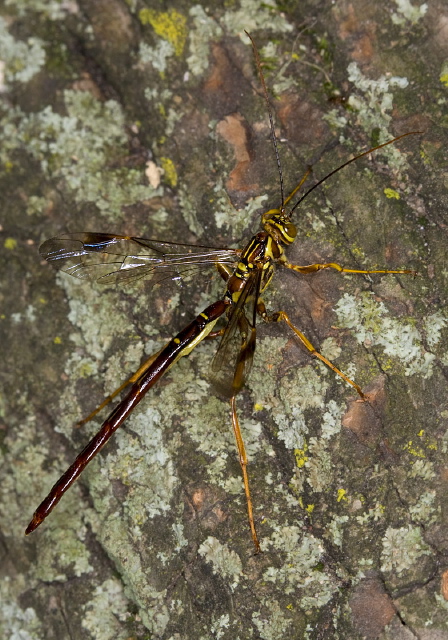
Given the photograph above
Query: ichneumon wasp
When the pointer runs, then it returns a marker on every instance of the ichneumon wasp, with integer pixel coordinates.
(247, 273)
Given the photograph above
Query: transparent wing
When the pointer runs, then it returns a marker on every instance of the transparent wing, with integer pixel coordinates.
(233, 359)
(108, 258)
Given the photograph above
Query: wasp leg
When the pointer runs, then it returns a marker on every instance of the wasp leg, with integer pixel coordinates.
(282, 316)
(312, 268)
(215, 334)
(243, 463)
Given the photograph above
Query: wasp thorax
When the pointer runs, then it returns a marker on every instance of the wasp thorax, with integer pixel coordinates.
(279, 226)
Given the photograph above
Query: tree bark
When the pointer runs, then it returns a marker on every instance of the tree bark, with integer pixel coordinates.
(146, 120)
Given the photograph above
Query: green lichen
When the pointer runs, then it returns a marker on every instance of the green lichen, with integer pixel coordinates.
(273, 626)
(331, 420)
(226, 216)
(139, 448)
(24, 461)
(302, 391)
(434, 324)
(408, 13)
(204, 29)
(424, 511)
(301, 556)
(250, 16)
(122, 543)
(78, 148)
(371, 325)
(319, 467)
(21, 61)
(35, 205)
(51, 9)
(67, 553)
(17, 622)
(206, 420)
(402, 548)
(96, 331)
(158, 56)
(335, 529)
(224, 561)
(106, 612)
(254, 15)
(189, 212)
(373, 104)
(423, 469)
(373, 514)
(263, 378)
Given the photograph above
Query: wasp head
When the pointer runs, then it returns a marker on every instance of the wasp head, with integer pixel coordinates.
(279, 226)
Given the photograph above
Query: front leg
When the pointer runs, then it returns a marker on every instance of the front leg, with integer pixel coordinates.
(312, 268)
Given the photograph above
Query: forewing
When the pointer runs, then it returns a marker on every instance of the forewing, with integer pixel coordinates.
(233, 359)
(108, 258)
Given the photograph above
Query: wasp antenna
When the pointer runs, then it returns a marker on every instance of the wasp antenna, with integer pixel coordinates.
(365, 153)
(271, 119)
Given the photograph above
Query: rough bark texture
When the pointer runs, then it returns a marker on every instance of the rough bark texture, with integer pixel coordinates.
(350, 498)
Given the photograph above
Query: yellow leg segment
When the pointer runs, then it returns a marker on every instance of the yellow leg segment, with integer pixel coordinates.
(243, 463)
(312, 268)
(281, 315)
